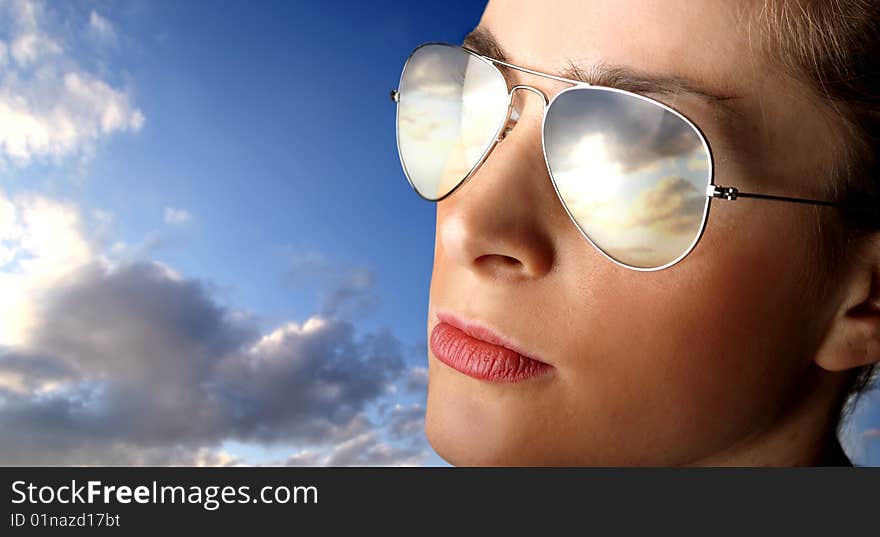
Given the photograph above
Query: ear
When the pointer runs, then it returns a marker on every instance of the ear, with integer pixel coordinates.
(853, 338)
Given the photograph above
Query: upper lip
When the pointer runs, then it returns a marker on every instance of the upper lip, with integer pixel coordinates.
(484, 333)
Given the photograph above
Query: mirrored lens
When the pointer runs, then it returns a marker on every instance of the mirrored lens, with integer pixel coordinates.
(451, 107)
(631, 173)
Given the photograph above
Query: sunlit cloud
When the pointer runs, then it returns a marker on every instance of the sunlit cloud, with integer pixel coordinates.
(41, 241)
(50, 106)
(367, 448)
(108, 361)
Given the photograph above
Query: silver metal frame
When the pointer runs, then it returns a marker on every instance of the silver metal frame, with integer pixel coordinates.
(713, 191)
(395, 96)
(710, 174)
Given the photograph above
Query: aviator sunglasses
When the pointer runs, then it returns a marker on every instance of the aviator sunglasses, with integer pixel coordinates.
(635, 176)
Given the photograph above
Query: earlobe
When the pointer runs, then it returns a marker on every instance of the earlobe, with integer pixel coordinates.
(853, 338)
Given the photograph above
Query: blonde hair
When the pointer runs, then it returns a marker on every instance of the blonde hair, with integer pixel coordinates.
(834, 47)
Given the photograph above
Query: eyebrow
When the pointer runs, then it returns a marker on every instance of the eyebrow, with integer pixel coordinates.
(483, 42)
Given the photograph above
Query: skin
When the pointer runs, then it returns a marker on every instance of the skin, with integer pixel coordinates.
(732, 356)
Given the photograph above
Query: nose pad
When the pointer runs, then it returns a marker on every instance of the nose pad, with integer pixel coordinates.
(517, 104)
(512, 118)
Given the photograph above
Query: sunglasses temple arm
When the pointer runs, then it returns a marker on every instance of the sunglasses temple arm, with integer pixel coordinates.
(732, 193)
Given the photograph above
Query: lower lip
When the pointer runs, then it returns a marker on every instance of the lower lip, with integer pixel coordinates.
(480, 359)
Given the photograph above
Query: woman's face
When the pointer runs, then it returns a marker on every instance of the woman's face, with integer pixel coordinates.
(676, 366)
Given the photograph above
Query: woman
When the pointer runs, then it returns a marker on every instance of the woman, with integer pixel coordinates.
(585, 306)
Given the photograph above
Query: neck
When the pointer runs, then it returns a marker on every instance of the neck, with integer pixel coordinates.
(803, 432)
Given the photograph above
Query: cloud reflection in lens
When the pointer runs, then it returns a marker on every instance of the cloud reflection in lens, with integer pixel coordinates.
(632, 174)
(451, 106)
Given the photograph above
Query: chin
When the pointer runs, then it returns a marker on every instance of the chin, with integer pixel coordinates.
(467, 432)
(465, 448)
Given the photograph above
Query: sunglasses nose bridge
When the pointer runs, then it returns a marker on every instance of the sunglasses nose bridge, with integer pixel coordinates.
(515, 112)
(532, 89)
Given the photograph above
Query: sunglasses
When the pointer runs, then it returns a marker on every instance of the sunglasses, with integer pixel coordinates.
(635, 176)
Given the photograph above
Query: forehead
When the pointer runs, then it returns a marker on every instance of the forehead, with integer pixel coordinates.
(715, 43)
(706, 40)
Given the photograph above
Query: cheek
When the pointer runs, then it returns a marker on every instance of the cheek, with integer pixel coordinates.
(653, 368)
(699, 355)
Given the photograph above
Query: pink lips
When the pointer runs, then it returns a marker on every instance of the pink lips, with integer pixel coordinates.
(478, 352)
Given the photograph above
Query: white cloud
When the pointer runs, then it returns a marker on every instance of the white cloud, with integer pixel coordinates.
(51, 107)
(365, 449)
(101, 28)
(24, 13)
(176, 216)
(129, 362)
(207, 457)
(30, 47)
(41, 240)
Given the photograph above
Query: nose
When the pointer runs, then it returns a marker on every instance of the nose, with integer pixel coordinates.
(498, 224)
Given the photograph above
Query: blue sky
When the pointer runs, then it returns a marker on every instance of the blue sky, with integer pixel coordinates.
(201, 206)
(247, 150)
(272, 127)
